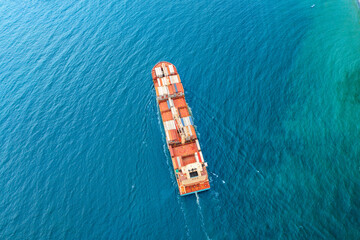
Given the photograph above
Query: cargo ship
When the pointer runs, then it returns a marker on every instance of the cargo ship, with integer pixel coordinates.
(183, 144)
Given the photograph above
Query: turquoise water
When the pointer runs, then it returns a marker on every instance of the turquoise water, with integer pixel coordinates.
(274, 88)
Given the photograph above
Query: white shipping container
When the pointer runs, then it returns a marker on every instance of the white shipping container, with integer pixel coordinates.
(165, 81)
(171, 103)
(165, 71)
(172, 122)
(196, 157)
(161, 91)
(186, 121)
(171, 68)
(174, 79)
(159, 83)
(197, 144)
(158, 72)
(173, 111)
(178, 160)
(169, 125)
(190, 130)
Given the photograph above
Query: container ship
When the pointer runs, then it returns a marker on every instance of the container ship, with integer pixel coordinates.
(183, 144)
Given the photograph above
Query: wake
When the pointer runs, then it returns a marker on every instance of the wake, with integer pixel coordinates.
(201, 216)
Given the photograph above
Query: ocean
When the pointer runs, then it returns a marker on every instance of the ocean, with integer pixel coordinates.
(274, 88)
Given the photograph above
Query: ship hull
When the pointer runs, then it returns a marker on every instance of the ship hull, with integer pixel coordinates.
(187, 158)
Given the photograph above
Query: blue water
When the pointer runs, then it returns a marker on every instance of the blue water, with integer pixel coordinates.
(274, 88)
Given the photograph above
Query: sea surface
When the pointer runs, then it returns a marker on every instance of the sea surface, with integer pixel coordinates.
(274, 87)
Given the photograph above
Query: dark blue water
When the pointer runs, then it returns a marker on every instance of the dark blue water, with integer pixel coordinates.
(273, 86)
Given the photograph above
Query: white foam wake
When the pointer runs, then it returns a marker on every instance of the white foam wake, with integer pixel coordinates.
(201, 216)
